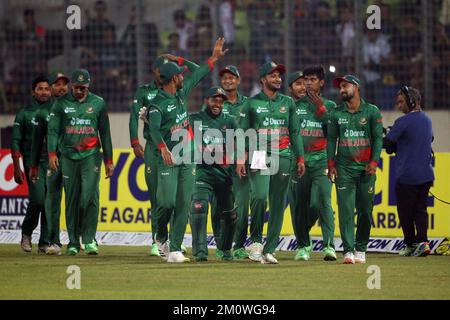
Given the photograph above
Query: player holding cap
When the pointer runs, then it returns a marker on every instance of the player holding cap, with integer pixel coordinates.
(144, 94)
(59, 87)
(213, 178)
(272, 114)
(311, 194)
(356, 128)
(76, 123)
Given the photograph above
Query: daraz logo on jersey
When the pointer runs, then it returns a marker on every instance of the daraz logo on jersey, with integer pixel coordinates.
(354, 133)
(181, 117)
(309, 124)
(77, 121)
(272, 121)
(34, 122)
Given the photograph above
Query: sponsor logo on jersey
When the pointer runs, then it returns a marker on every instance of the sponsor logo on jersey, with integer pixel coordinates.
(261, 109)
(301, 111)
(314, 124)
(69, 110)
(181, 117)
(272, 121)
(78, 121)
(34, 122)
(342, 121)
(354, 133)
(151, 95)
(171, 107)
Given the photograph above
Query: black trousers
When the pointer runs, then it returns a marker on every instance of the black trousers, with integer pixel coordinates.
(412, 211)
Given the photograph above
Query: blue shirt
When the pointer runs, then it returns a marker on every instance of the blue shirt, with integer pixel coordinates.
(413, 134)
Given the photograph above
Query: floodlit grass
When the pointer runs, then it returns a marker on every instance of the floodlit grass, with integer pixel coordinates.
(120, 272)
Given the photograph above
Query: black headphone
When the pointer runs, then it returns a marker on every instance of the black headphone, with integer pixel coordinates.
(409, 101)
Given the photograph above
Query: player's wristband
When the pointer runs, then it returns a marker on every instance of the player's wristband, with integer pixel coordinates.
(210, 63)
(301, 160)
(180, 61)
(16, 155)
(321, 110)
(108, 162)
(331, 163)
(52, 154)
(161, 146)
(373, 163)
(134, 142)
(33, 170)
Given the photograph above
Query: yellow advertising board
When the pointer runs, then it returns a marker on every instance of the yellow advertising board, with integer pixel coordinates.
(125, 206)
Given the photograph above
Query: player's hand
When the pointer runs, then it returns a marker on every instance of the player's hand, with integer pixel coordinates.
(315, 98)
(301, 169)
(167, 157)
(33, 174)
(138, 151)
(171, 57)
(143, 114)
(109, 168)
(241, 171)
(371, 168)
(53, 162)
(332, 174)
(218, 51)
(19, 176)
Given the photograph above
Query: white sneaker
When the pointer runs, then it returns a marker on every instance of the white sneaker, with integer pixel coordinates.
(177, 257)
(255, 251)
(163, 249)
(360, 257)
(54, 249)
(349, 258)
(268, 258)
(25, 243)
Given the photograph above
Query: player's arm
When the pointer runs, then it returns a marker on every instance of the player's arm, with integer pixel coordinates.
(53, 134)
(133, 124)
(332, 137)
(36, 144)
(203, 70)
(376, 128)
(296, 139)
(104, 131)
(243, 122)
(155, 119)
(17, 136)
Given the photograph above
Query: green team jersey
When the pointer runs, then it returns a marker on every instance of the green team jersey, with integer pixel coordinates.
(232, 108)
(23, 129)
(358, 136)
(213, 137)
(80, 125)
(168, 112)
(313, 129)
(275, 118)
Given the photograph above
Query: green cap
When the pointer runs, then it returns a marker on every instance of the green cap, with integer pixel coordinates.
(293, 76)
(81, 77)
(230, 69)
(216, 91)
(159, 62)
(55, 76)
(269, 67)
(347, 78)
(169, 69)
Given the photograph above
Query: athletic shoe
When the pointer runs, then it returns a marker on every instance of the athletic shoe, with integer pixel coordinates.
(200, 258)
(329, 254)
(303, 254)
(219, 254)
(25, 243)
(183, 249)
(163, 249)
(42, 249)
(268, 258)
(349, 258)
(154, 251)
(71, 251)
(227, 255)
(360, 257)
(177, 257)
(255, 251)
(422, 250)
(407, 251)
(91, 248)
(240, 253)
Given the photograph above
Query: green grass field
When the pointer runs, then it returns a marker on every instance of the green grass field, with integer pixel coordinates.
(128, 273)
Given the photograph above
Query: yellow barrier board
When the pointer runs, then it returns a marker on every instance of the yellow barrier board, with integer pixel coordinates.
(125, 206)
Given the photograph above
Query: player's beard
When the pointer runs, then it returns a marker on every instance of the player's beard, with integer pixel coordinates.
(273, 87)
(347, 96)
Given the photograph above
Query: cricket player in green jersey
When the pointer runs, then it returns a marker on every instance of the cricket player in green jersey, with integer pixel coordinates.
(79, 124)
(21, 147)
(311, 194)
(230, 80)
(59, 87)
(213, 175)
(272, 115)
(169, 127)
(142, 98)
(355, 128)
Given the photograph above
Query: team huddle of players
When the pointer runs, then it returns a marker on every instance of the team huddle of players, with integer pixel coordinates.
(315, 142)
